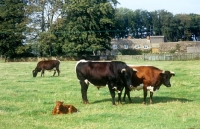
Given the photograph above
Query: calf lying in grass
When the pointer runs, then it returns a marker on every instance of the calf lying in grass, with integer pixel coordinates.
(61, 108)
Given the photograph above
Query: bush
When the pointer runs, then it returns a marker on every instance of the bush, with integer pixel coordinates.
(131, 52)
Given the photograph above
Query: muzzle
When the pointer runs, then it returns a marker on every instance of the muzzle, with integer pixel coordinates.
(169, 85)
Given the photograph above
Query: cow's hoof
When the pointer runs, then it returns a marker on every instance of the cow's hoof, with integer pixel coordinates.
(119, 103)
(144, 103)
(85, 102)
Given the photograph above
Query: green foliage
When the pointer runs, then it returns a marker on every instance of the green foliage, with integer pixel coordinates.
(12, 26)
(27, 102)
(130, 52)
(88, 24)
(81, 27)
(47, 44)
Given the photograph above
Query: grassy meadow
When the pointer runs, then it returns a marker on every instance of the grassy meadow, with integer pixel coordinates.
(27, 102)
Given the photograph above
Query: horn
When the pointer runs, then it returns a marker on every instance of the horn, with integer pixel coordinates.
(134, 69)
(163, 71)
(123, 70)
(173, 73)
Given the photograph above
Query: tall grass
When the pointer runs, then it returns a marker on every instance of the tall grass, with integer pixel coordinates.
(27, 102)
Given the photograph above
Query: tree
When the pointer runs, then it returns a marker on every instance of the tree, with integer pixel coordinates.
(183, 22)
(12, 26)
(124, 23)
(42, 14)
(88, 25)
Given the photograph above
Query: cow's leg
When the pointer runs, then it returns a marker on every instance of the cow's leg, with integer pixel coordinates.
(57, 68)
(54, 72)
(151, 97)
(127, 91)
(42, 73)
(84, 88)
(112, 93)
(124, 98)
(119, 98)
(145, 94)
(119, 95)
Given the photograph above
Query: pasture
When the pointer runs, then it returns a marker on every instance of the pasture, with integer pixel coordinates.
(27, 102)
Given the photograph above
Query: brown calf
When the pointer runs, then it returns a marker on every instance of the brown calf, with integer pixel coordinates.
(61, 108)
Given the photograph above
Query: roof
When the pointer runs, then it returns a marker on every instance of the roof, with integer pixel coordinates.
(157, 39)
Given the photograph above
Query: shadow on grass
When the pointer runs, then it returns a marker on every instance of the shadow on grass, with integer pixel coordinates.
(139, 100)
(158, 99)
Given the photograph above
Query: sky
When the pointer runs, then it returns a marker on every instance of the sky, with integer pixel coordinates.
(173, 6)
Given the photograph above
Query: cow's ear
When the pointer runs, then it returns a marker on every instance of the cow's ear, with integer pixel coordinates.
(172, 73)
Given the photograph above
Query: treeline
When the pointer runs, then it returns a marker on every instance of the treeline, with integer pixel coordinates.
(82, 27)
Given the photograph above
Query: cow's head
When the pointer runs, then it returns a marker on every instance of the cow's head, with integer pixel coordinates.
(58, 107)
(34, 73)
(59, 104)
(166, 75)
(128, 74)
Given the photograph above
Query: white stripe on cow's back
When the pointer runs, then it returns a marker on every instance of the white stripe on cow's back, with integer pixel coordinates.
(79, 62)
(83, 60)
(139, 65)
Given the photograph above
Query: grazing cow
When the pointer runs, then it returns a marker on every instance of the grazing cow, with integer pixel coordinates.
(115, 74)
(47, 65)
(61, 108)
(150, 78)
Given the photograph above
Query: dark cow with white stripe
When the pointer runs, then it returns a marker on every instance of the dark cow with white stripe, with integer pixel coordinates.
(115, 74)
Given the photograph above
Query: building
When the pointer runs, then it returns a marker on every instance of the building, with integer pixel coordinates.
(154, 43)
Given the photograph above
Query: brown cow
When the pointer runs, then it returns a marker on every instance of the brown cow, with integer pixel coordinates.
(61, 108)
(150, 78)
(47, 65)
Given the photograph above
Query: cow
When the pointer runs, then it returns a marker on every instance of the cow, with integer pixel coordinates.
(47, 65)
(61, 108)
(115, 74)
(149, 78)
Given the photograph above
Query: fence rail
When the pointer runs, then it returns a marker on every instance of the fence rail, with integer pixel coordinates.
(175, 57)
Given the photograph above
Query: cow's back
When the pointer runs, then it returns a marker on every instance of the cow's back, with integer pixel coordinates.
(99, 73)
(148, 74)
(94, 72)
(48, 64)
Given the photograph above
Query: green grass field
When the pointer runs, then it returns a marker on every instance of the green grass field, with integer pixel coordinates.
(27, 102)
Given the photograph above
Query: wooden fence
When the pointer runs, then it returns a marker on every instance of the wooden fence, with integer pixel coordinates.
(171, 57)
